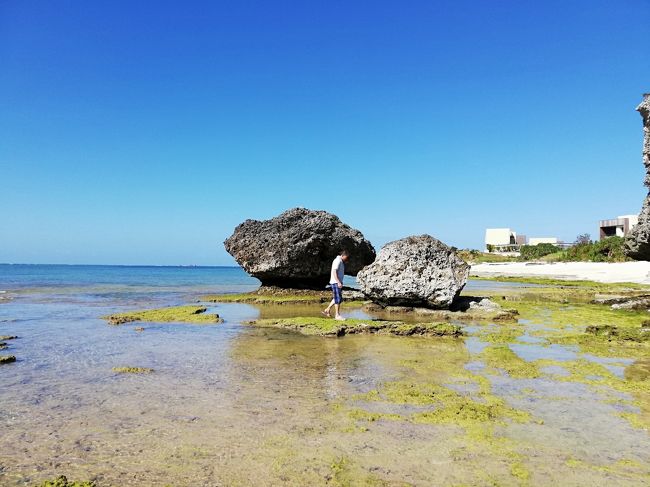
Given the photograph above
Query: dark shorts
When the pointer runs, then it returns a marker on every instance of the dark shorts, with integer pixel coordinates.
(336, 292)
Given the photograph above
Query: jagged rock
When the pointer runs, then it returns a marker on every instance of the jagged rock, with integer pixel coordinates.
(640, 303)
(415, 271)
(296, 249)
(637, 242)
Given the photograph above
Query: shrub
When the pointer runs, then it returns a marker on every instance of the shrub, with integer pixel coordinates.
(607, 250)
(531, 252)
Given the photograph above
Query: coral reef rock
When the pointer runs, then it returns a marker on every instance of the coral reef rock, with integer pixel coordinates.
(296, 248)
(637, 242)
(415, 271)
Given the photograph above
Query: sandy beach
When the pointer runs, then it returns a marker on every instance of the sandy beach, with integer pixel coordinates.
(609, 272)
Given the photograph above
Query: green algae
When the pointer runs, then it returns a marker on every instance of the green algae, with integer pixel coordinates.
(624, 467)
(173, 314)
(577, 314)
(62, 481)
(501, 333)
(603, 380)
(503, 358)
(330, 327)
(7, 359)
(345, 473)
(254, 298)
(132, 370)
(434, 387)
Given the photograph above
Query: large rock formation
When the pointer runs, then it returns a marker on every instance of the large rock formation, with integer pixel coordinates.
(415, 271)
(296, 249)
(637, 243)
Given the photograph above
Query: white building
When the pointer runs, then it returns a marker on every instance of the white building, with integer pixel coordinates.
(540, 240)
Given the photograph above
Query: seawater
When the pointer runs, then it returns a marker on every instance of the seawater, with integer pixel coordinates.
(230, 404)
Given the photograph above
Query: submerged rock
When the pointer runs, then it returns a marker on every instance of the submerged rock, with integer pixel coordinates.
(415, 271)
(132, 370)
(7, 359)
(172, 314)
(637, 242)
(296, 249)
(329, 327)
(62, 481)
(462, 310)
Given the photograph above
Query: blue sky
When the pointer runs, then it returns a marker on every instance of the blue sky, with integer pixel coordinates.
(143, 133)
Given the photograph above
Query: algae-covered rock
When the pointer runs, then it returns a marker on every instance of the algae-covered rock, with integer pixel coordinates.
(173, 314)
(415, 271)
(132, 370)
(62, 481)
(7, 359)
(469, 314)
(296, 249)
(634, 334)
(637, 303)
(331, 327)
(284, 296)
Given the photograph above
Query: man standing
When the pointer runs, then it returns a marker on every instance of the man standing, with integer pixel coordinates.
(336, 282)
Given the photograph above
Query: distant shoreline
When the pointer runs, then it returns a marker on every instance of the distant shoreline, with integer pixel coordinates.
(179, 266)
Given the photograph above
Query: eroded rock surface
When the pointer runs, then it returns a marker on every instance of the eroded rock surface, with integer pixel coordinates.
(415, 271)
(637, 242)
(296, 248)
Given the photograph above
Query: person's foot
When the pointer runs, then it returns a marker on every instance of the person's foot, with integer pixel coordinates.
(339, 317)
(326, 313)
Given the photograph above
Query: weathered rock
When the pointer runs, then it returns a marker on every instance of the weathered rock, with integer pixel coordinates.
(637, 242)
(415, 271)
(640, 303)
(296, 249)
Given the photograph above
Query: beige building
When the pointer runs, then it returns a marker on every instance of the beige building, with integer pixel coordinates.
(617, 227)
(500, 240)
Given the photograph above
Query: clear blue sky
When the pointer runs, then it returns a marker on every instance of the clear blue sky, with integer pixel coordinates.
(144, 132)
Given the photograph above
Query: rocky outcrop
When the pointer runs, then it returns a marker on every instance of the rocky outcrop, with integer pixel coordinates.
(637, 242)
(296, 249)
(415, 271)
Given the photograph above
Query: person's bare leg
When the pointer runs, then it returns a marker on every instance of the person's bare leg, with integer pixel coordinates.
(326, 312)
(337, 315)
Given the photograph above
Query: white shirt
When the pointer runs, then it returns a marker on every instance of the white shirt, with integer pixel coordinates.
(338, 270)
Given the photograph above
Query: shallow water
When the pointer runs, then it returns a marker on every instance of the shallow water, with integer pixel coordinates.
(230, 404)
